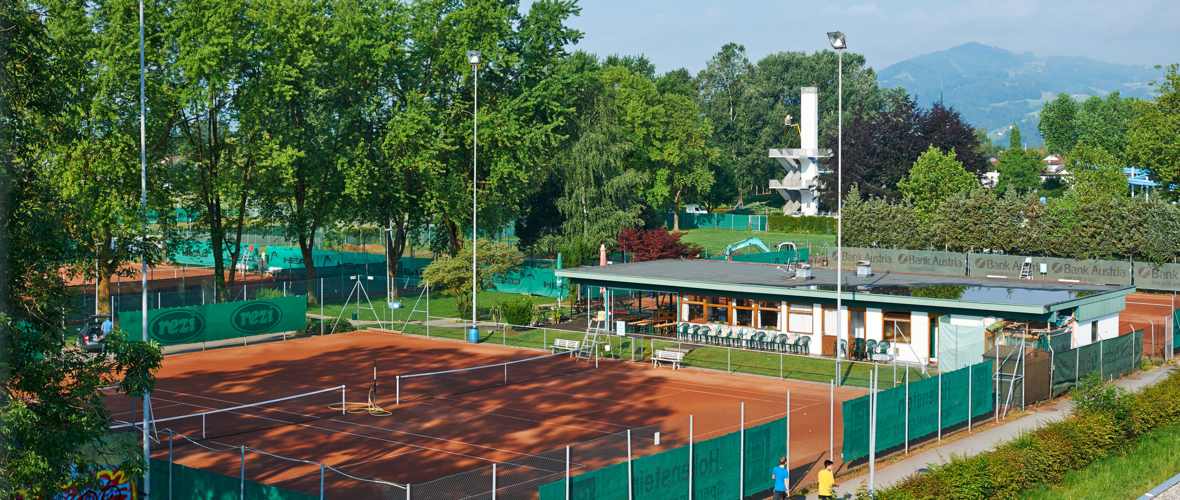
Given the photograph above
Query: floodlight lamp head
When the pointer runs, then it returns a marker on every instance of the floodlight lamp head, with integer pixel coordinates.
(787, 122)
(836, 38)
(473, 57)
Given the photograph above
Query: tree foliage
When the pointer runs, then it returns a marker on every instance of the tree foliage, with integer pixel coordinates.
(453, 275)
(934, 177)
(1153, 139)
(1099, 121)
(1096, 174)
(880, 147)
(655, 244)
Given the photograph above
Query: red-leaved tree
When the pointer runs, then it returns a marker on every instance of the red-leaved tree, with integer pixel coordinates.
(656, 244)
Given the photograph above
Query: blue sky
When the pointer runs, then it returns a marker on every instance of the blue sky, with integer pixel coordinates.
(686, 33)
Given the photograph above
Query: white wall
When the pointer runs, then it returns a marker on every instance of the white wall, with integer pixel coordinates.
(1108, 328)
(919, 339)
(873, 326)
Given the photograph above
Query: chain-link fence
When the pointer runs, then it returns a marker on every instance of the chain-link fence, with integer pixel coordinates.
(732, 450)
(182, 465)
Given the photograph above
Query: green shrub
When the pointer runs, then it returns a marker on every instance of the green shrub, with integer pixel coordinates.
(268, 293)
(1106, 419)
(313, 326)
(801, 225)
(518, 311)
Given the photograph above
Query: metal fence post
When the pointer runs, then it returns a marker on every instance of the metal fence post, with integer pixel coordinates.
(742, 454)
(788, 464)
(170, 438)
(691, 458)
(321, 306)
(831, 420)
(940, 406)
(493, 481)
(728, 359)
(907, 410)
(407, 491)
(970, 405)
(243, 474)
(567, 473)
(321, 481)
(630, 482)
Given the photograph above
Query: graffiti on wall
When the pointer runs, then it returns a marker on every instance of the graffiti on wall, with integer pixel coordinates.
(113, 485)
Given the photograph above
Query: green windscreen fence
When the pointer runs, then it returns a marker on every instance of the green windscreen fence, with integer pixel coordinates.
(200, 253)
(966, 393)
(1115, 358)
(782, 257)
(717, 470)
(178, 481)
(207, 323)
(534, 278)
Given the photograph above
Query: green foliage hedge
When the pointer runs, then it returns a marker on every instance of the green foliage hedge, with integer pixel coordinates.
(1106, 420)
(801, 225)
(518, 311)
(313, 326)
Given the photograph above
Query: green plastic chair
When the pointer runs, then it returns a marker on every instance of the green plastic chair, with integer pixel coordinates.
(682, 332)
(844, 347)
(883, 347)
(870, 348)
(805, 347)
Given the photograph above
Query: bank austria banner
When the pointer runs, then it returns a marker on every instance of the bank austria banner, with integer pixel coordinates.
(1106, 272)
(1157, 276)
(904, 261)
(207, 323)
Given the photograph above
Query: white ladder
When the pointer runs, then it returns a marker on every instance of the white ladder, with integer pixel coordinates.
(1026, 269)
(594, 330)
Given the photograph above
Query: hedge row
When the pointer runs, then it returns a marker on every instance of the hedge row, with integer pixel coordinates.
(801, 225)
(1106, 419)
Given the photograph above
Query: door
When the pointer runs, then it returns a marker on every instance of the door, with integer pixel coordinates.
(856, 323)
(829, 331)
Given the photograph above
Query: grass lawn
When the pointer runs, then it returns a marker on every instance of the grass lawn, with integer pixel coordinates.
(715, 240)
(1155, 459)
(442, 305)
(717, 358)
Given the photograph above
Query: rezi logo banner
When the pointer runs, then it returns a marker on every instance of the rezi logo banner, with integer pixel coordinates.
(1161, 277)
(207, 323)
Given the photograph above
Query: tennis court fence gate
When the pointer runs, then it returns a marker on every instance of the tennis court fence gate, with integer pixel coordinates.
(182, 466)
(724, 453)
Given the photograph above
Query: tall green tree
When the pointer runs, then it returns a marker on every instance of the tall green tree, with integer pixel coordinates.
(1058, 124)
(1153, 140)
(934, 177)
(53, 415)
(726, 96)
(1097, 176)
(453, 274)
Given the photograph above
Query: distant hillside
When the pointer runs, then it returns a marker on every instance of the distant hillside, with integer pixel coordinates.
(992, 87)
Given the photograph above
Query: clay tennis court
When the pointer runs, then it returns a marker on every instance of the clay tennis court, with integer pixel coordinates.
(427, 438)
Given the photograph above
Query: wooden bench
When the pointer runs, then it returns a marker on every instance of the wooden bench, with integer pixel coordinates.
(673, 357)
(565, 345)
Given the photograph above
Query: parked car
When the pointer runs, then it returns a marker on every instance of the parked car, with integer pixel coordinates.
(90, 334)
(694, 209)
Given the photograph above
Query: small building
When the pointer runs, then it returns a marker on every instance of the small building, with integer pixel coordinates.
(947, 321)
(1054, 168)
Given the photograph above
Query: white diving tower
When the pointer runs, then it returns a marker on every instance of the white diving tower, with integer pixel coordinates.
(800, 187)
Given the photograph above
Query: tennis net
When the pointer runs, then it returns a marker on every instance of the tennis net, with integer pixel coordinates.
(211, 422)
(463, 380)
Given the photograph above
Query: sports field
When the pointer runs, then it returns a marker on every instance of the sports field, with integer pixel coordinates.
(445, 425)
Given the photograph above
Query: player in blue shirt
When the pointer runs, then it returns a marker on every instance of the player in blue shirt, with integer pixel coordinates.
(779, 475)
(107, 326)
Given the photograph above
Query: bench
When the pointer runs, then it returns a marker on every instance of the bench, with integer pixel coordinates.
(673, 357)
(565, 345)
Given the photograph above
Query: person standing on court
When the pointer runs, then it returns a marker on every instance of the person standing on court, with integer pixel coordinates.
(827, 482)
(779, 475)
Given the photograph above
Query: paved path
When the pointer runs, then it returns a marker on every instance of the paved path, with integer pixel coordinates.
(985, 440)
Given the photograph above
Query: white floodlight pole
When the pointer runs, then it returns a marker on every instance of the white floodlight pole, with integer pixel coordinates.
(473, 57)
(147, 479)
(837, 40)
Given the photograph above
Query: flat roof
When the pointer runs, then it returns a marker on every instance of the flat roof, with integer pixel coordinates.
(886, 288)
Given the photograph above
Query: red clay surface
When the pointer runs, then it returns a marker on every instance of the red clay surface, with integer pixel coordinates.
(1148, 312)
(432, 437)
(164, 277)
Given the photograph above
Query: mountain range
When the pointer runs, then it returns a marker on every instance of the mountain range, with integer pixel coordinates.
(992, 87)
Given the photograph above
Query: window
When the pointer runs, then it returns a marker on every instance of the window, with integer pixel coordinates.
(692, 308)
(830, 321)
(1093, 332)
(897, 327)
(730, 311)
(934, 335)
(799, 318)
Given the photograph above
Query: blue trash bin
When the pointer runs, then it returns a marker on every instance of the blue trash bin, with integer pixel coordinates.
(473, 335)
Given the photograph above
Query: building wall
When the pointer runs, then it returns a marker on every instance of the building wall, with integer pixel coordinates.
(873, 324)
(919, 339)
(1108, 328)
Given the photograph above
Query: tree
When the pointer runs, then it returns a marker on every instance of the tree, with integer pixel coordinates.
(1096, 174)
(880, 147)
(934, 177)
(52, 407)
(1019, 170)
(1014, 139)
(726, 97)
(453, 275)
(1057, 124)
(1153, 139)
(655, 244)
